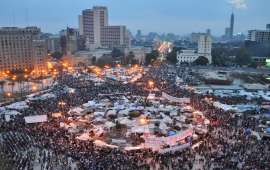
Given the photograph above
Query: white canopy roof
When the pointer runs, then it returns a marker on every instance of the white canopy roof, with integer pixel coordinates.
(18, 106)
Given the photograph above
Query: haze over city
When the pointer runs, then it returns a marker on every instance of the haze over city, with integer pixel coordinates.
(134, 84)
(176, 16)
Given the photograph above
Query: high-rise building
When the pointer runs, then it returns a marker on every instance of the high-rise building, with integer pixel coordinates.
(138, 35)
(229, 31)
(53, 44)
(115, 36)
(259, 36)
(195, 37)
(97, 32)
(80, 24)
(40, 55)
(204, 49)
(208, 31)
(268, 27)
(69, 40)
(20, 49)
(232, 26)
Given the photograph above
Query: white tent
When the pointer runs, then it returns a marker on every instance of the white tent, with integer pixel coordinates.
(111, 113)
(18, 106)
(10, 112)
(103, 144)
(123, 112)
(89, 104)
(84, 137)
(125, 121)
(76, 111)
(99, 114)
(132, 148)
(36, 119)
(109, 124)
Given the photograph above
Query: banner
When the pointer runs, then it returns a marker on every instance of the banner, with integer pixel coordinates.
(36, 119)
(174, 149)
(175, 99)
(170, 140)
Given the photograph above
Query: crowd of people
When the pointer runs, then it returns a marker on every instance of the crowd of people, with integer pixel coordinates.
(46, 146)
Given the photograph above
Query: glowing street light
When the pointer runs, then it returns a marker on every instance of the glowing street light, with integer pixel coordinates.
(61, 103)
(72, 91)
(50, 66)
(143, 121)
(151, 83)
(34, 88)
(14, 78)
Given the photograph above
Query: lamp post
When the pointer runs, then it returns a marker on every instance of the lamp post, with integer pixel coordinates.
(61, 104)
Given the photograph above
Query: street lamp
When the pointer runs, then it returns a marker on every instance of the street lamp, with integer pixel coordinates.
(34, 88)
(143, 121)
(9, 94)
(151, 83)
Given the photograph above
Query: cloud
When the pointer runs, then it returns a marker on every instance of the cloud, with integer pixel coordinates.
(238, 4)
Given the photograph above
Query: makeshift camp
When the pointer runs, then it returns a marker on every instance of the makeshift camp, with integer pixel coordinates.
(36, 119)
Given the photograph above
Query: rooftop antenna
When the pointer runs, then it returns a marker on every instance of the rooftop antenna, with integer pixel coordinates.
(26, 17)
(13, 18)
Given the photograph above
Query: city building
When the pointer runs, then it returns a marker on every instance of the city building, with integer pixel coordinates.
(53, 44)
(208, 31)
(115, 37)
(229, 31)
(187, 56)
(204, 49)
(194, 37)
(232, 26)
(259, 36)
(40, 56)
(138, 35)
(85, 58)
(20, 49)
(69, 40)
(95, 27)
(139, 53)
(268, 27)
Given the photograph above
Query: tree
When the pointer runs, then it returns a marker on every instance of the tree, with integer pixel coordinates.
(242, 57)
(201, 60)
(116, 53)
(172, 56)
(220, 56)
(102, 61)
(151, 57)
(129, 58)
(94, 60)
(57, 55)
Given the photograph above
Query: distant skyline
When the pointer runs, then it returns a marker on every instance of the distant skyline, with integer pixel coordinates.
(163, 16)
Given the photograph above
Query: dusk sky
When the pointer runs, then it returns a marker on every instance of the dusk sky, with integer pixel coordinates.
(177, 16)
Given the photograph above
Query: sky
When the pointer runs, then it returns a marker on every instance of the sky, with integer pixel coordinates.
(162, 16)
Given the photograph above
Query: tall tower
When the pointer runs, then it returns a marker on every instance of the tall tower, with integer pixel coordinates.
(92, 21)
(268, 27)
(205, 47)
(232, 26)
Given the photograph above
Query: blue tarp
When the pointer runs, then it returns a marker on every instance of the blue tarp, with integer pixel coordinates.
(248, 131)
(268, 130)
(171, 133)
